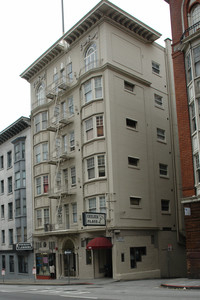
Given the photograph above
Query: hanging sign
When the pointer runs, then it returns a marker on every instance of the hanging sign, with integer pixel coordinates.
(94, 219)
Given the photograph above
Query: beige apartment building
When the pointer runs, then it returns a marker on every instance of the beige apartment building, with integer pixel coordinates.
(104, 146)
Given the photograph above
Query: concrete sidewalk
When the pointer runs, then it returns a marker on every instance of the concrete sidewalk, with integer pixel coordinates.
(177, 283)
(182, 283)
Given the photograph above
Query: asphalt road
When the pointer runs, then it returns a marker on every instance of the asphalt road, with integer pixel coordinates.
(129, 290)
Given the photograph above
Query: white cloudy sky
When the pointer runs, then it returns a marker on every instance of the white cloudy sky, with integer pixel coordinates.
(29, 27)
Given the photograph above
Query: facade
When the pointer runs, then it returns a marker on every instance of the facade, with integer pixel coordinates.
(185, 23)
(104, 189)
(16, 251)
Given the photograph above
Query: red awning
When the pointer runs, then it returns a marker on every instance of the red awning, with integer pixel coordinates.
(99, 243)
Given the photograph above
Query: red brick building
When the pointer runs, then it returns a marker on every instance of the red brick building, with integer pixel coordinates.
(185, 24)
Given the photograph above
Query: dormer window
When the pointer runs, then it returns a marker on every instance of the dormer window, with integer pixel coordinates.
(91, 57)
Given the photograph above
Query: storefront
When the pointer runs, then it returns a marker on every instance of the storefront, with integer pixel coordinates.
(43, 263)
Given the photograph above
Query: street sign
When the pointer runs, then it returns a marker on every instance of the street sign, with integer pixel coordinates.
(68, 252)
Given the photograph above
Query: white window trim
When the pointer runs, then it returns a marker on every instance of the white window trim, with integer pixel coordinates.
(96, 167)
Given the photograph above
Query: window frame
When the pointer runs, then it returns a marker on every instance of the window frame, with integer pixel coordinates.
(91, 88)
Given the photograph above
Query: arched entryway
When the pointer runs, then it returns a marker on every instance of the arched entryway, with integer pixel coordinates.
(69, 259)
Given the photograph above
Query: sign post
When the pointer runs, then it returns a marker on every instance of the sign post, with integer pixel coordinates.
(34, 272)
(3, 273)
(68, 252)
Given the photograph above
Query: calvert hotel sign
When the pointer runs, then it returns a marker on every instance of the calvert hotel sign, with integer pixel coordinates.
(94, 219)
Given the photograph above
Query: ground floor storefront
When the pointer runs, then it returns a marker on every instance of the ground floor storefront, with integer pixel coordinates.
(120, 254)
(16, 263)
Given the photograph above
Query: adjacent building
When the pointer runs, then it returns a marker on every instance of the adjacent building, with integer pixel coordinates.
(185, 23)
(16, 251)
(103, 132)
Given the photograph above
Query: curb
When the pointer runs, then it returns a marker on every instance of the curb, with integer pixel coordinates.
(184, 287)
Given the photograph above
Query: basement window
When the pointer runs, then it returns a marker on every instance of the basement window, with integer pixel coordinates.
(136, 254)
(135, 201)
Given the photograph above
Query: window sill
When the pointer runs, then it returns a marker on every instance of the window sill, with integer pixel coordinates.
(164, 176)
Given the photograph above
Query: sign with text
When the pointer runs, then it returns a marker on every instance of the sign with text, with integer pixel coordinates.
(23, 246)
(94, 219)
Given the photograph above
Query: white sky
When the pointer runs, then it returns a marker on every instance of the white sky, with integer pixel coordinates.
(30, 27)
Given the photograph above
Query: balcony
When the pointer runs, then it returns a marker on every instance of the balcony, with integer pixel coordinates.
(190, 31)
(58, 87)
(92, 66)
(60, 192)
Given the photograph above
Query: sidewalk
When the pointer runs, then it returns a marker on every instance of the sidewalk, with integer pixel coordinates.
(182, 283)
(177, 283)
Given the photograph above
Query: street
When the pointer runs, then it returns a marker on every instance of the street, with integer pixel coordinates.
(130, 290)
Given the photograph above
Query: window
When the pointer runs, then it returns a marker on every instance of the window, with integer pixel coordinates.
(67, 223)
(90, 168)
(74, 212)
(73, 176)
(71, 106)
(10, 211)
(158, 100)
(165, 206)
(9, 159)
(72, 141)
(193, 117)
(10, 185)
(122, 257)
(42, 185)
(160, 134)
(63, 110)
(1, 162)
(195, 15)
(41, 153)
(90, 131)
(19, 234)
(23, 178)
(91, 57)
(136, 254)
(92, 205)
(97, 204)
(163, 169)
(69, 71)
(17, 152)
(17, 207)
(2, 187)
(133, 161)
(101, 165)
(40, 94)
(59, 215)
(17, 180)
(155, 67)
(135, 201)
(46, 215)
(88, 257)
(3, 236)
(129, 86)
(64, 143)
(25, 234)
(10, 234)
(22, 264)
(189, 68)
(92, 89)
(2, 211)
(3, 261)
(41, 121)
(38, 217)
(96, 167)
(131, 123)
(196, 54)
(24, 206)
(11, 263)
(23, 150)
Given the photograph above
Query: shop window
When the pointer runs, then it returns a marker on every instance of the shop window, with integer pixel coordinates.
(136, 254)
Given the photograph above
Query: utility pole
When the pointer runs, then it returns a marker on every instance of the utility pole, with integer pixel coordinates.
(63, 26)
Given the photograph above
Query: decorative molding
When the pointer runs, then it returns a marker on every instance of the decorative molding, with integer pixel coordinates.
(89, 39)
(39, 80)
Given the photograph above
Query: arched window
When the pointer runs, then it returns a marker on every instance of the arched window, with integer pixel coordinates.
(195, 14)
(91, 57)
(40, 94)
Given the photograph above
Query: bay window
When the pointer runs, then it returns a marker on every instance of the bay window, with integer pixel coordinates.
(96, 167)
(92, 89)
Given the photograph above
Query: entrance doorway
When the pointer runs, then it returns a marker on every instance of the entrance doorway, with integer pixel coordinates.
(69, 259)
